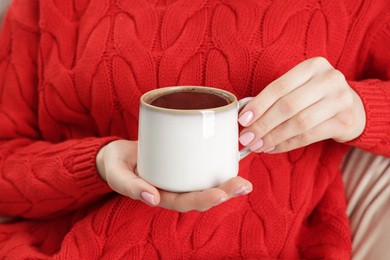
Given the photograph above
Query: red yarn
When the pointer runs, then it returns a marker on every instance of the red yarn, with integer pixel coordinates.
(72, 72)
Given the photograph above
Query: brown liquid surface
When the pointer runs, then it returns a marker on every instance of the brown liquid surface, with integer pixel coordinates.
(189, 100)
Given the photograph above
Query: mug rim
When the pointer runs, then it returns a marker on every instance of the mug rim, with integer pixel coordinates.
(172, 89)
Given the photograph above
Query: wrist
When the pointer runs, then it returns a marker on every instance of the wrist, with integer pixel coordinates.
(361, 114)
(100, 163)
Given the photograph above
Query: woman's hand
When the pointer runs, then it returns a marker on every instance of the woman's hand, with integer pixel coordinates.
(310, 103)
(116, 164)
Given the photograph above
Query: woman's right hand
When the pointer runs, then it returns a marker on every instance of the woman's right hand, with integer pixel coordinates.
(116, 164)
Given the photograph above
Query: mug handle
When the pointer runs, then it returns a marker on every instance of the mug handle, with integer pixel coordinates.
(241, 104)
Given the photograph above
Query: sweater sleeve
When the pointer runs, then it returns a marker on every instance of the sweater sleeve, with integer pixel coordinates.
(375, 92)
(38, 178)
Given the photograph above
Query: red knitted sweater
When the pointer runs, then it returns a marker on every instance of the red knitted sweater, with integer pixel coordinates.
(72, 72)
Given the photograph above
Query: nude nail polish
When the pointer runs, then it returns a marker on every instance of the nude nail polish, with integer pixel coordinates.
(246, 138)
(245, 118)
(269, 149)
(243, 190)
(257, 145)
(148, 198)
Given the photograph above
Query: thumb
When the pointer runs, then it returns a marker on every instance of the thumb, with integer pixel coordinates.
(124, 181)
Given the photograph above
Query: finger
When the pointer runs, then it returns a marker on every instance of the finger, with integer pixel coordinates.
(197, 200)
(285, 109)
(320, 132)
(236, 186)
(301, 122)
(203, 200)
(279, 88)
(122, 180)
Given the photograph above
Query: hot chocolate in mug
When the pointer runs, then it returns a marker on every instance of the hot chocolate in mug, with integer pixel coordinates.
(188, 137)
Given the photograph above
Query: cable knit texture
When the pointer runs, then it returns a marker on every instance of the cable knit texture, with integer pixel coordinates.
(72, 73)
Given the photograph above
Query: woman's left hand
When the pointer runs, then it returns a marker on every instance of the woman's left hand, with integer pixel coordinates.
(310, 103)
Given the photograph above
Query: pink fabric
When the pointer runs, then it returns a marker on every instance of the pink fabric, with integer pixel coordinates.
(367, 179)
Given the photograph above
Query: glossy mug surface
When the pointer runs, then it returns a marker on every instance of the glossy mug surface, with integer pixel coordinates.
(188, 137)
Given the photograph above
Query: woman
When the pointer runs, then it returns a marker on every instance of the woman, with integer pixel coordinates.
(72, 74)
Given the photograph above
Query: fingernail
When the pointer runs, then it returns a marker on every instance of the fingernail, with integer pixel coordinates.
(246, 118)
(269, 149)
(243, 190)
(246, 138)
(148, 197)
(256, 146)
(220, 200)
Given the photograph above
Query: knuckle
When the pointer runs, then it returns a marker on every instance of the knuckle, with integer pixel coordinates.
(270, 139)
(287, 145)
(126, 190)
(281, 88)
(336, 81)
(261, 127)
(287, 105)
(306, 138)
(129, 191)
(303, 121)
(318, 62)
(336, 77)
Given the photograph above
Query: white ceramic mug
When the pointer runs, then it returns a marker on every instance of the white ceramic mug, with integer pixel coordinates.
(191, 148)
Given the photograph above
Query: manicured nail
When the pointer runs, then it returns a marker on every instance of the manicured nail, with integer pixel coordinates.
(243, 190)
(246, 138)
(148, 197)
(220, 200)
(269, 149)
(256, 146)
(245, 118)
